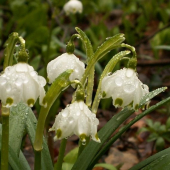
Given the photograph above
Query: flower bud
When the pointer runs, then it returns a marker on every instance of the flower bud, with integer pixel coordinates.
(62, 63)
(73, 6)
(124, 87)
(20, 83)
(77, 119)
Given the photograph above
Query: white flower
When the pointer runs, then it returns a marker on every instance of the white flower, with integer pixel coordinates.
(62, 63)
(124, 87)
(77, 119)
(73, 6)
(20, 83)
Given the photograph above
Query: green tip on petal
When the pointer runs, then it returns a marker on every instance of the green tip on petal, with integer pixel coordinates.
(30, 102)
(104, 94)
(9, 101)
(118, 102)
(83, 137)
(97, 138)
(136, 106)
(59, 133)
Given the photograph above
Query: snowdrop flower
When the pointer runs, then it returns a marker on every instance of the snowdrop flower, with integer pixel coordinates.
(73, 6)
(124, 87)
(20, 83)
(62, 63)
(77, 119)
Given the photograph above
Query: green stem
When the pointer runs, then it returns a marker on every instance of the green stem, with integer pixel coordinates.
(83, 145)
(5, 138)
(90, 85)
(37, 163)
(61, 154)
(9, 50)
(109, 67)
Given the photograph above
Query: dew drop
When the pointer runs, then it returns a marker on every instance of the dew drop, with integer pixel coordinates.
(2, 80)
(18, 81)
(129, 88)
(8, 87)
(129, 73)
(71, 120)
(119, 81)
(64, 113)
(83, 143)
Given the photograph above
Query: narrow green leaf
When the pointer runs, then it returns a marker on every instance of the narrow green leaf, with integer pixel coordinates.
(93, 148)
(106, 166)
(71, 157)
(31, 123)
(150, 95)
(17, 121)
(155, 162)
(59, 85)
(125, 128)
(86, 42)
(17, 163)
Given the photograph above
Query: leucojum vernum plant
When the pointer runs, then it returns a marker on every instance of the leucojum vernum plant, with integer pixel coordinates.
(21, 86)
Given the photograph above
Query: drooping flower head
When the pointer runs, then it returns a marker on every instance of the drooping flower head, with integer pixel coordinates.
(124, 87)
(76, 119)
(62, 63)
(20, 83)
(73, 6)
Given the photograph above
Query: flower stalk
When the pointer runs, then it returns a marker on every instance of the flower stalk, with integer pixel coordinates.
(5, 138)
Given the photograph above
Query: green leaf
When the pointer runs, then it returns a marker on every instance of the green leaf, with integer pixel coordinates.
(110, 44)
(31, 123)
(152, 137)
(150, 95)
(15, 161)
(149, 122)
(168, 123)
(160, 144)
(17, 121)
(86, 42)
(155, 162)
(125, 128)
(71, 157)
(93, 148)
(59, 85)
(106, 166)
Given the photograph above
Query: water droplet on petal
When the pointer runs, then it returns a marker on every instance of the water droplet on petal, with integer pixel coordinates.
(2, 81)
(18, 81)
(8, 87)
(129, 73)
(129, 88)
(119, 81)
(71, 120)
(64, 113)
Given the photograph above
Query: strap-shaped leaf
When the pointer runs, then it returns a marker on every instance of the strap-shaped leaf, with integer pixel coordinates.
(155, 162)
(110, 44)
(86, 42)
(60, 84)
(125, 128)
(31, 123)
(17, 163)
(17, 121)
(93, 148)
(150, 95)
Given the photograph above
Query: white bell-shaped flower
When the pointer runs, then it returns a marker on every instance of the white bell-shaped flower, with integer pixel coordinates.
(124, 87)
(62, 63)
(73, 6)
(20, 83)
(76, 119)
